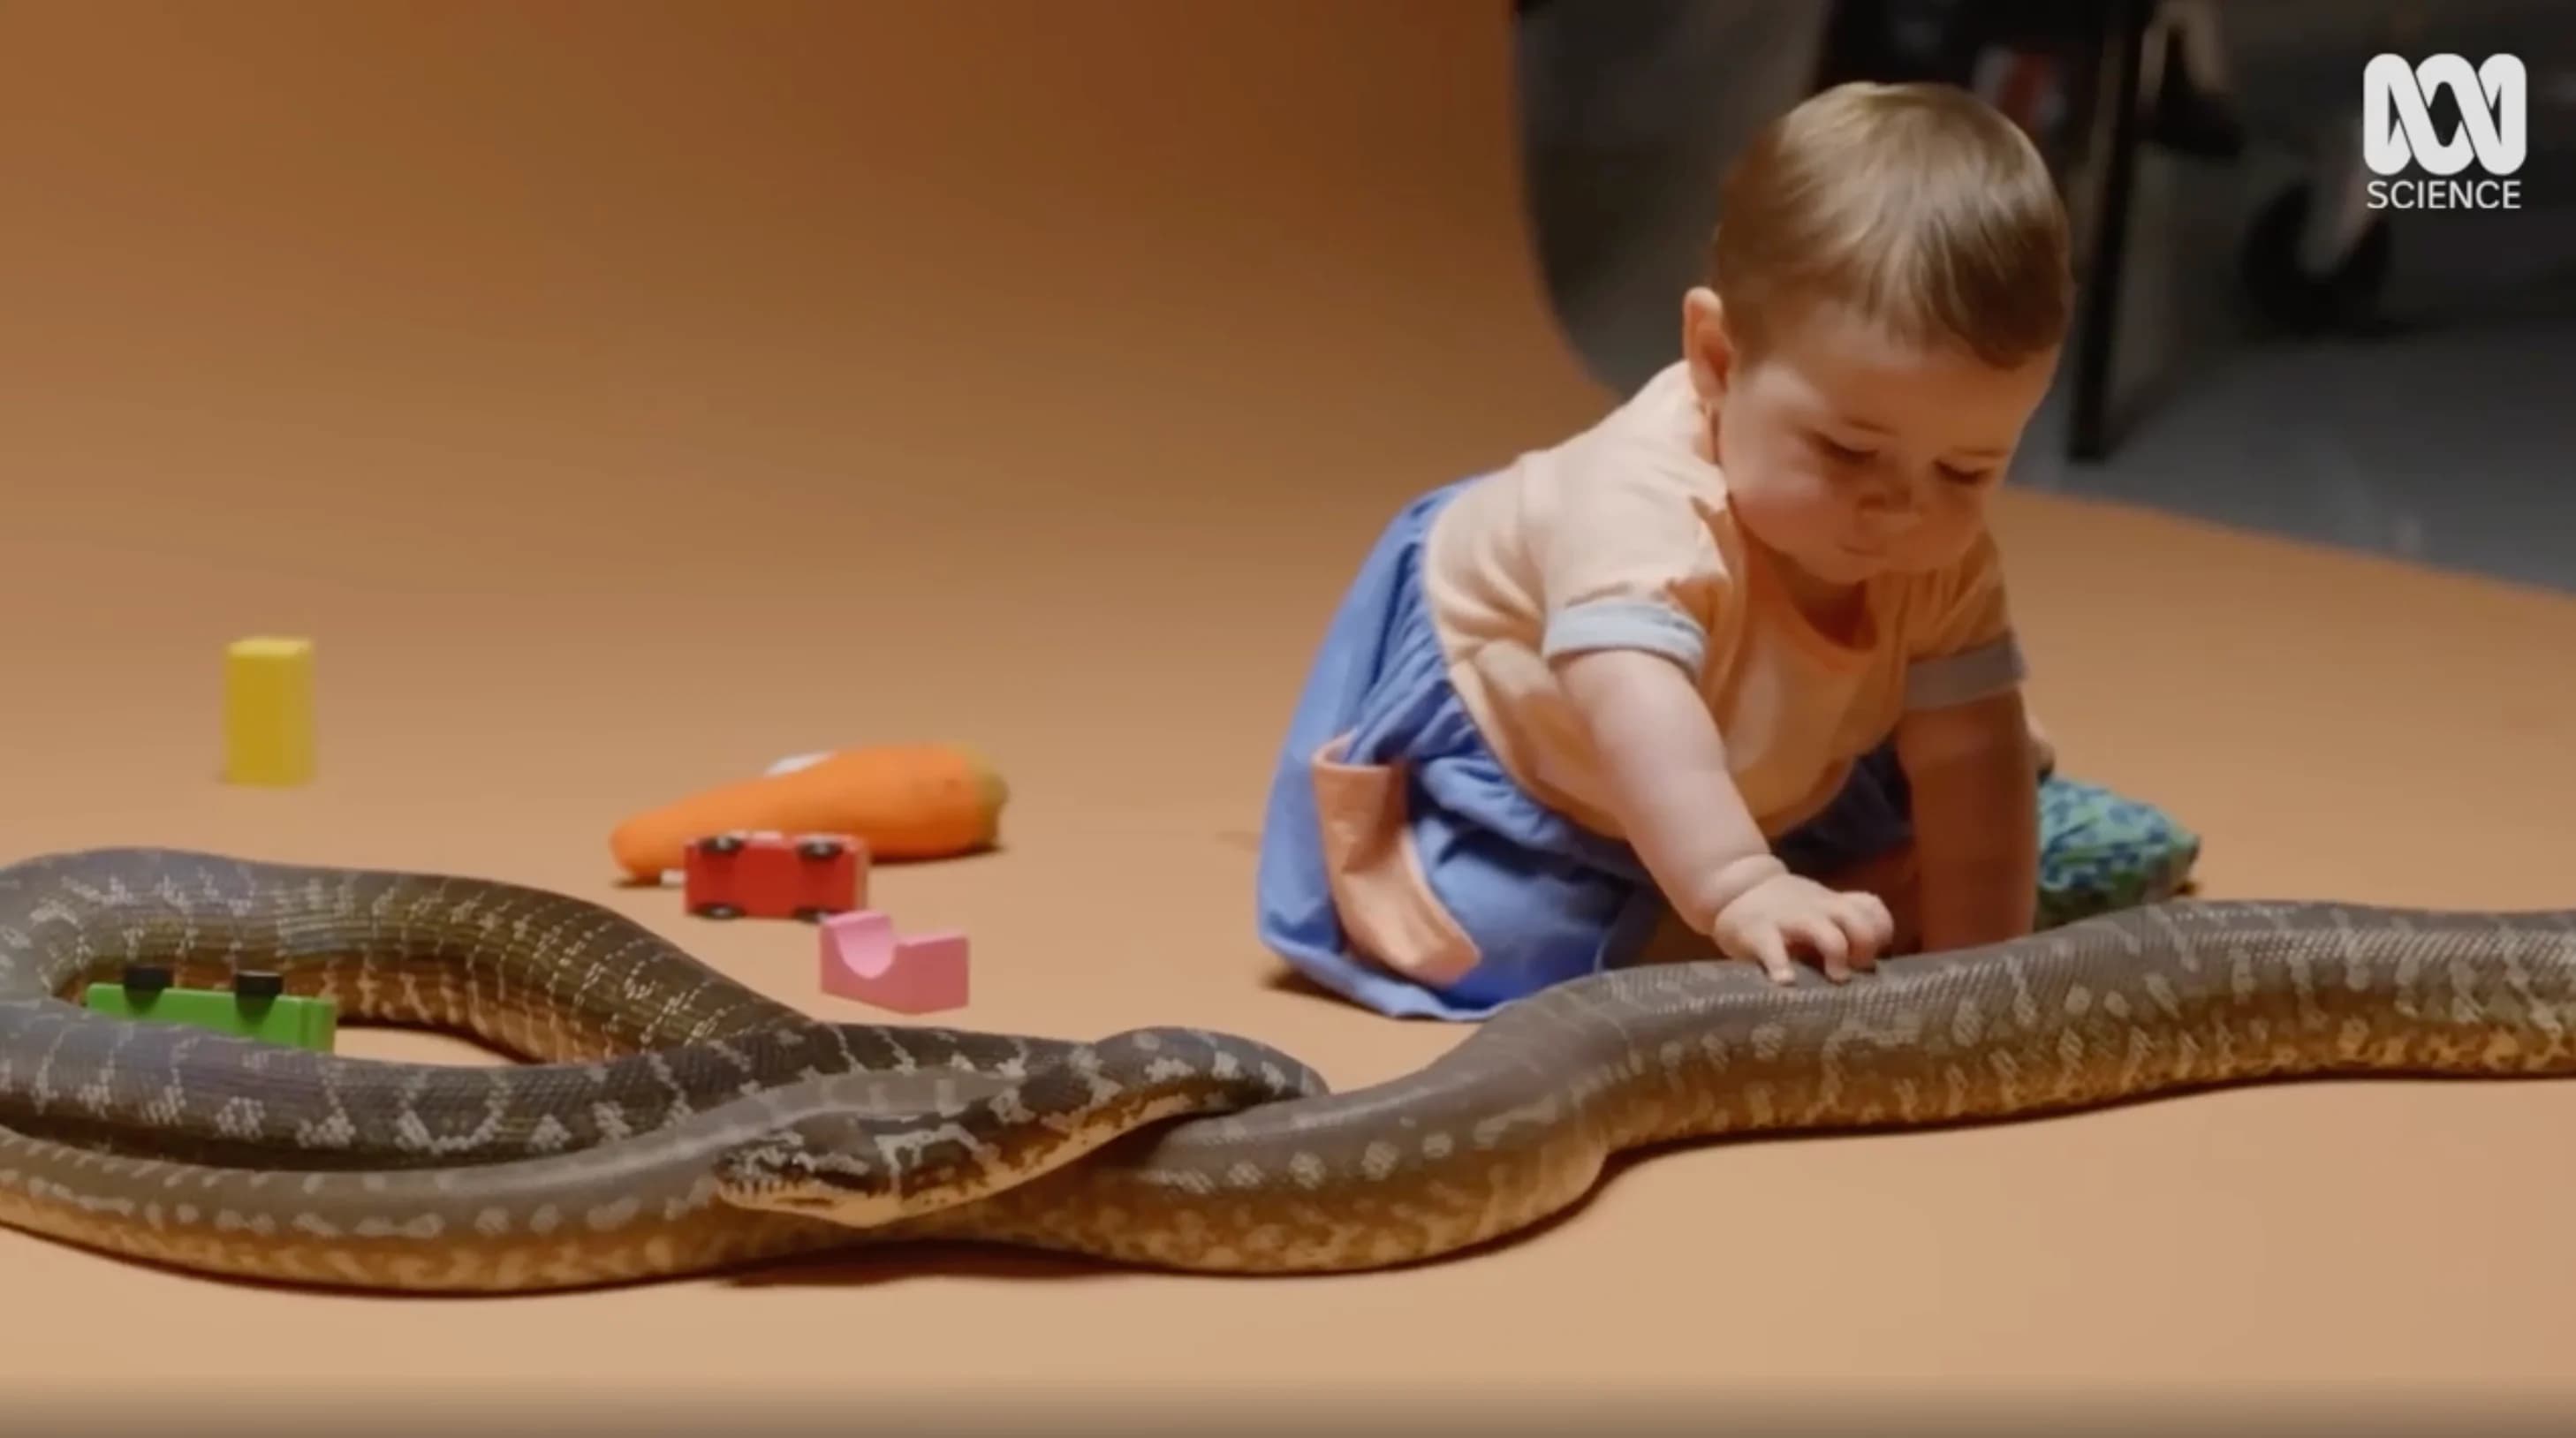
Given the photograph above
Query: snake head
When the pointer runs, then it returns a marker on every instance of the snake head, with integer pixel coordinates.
(799, 1171)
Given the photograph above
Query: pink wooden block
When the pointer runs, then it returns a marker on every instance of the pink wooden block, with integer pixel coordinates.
(864, 959)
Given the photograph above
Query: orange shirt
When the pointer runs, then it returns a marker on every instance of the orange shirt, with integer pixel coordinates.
(1622, 536)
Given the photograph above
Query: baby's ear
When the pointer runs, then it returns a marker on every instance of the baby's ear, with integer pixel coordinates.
(1705, 346)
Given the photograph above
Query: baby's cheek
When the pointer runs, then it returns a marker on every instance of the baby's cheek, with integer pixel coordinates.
(1822, 498)
(1777, 504)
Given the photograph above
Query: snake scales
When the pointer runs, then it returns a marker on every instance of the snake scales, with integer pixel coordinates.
(677, 1122)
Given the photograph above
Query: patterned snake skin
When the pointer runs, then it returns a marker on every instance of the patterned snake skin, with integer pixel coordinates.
(679, 1123)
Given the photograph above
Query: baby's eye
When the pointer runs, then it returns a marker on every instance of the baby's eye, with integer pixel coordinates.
(1841, 453)
(1964, 476)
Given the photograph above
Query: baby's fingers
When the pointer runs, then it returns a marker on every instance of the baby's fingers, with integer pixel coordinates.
(1872, 928)
(1832, 946)
(1771, 950)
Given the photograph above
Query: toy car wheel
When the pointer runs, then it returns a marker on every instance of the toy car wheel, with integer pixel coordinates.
(821, 848)
(258, 984)
(721, 843)
(814, 913)
(146, 978)
(717, 911)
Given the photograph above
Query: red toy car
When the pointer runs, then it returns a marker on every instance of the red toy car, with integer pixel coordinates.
(763, 874)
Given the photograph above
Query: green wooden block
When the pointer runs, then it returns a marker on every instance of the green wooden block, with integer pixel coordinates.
(288, 1019)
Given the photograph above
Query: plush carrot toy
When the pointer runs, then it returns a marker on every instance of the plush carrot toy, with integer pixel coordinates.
(904, 801)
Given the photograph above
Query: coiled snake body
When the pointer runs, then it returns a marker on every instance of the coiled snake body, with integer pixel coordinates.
(678, 1122)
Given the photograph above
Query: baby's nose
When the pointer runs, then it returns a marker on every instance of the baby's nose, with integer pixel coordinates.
(1890, 502)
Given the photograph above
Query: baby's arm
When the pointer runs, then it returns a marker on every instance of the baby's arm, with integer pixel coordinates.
(1668, 778)
(1976, 819)
(1679, 808)
(1965, 745)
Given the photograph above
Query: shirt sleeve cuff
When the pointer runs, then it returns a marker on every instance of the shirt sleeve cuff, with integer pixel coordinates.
(1967, 676)
(1626, 624)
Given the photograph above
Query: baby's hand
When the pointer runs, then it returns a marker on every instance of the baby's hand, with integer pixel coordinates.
(1846, 930)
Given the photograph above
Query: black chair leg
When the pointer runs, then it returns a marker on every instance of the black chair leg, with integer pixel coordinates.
(2093, 431)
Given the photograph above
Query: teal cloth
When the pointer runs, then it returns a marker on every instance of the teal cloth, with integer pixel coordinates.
(2100, 851)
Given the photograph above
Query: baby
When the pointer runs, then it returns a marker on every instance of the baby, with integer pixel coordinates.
(1741, 652)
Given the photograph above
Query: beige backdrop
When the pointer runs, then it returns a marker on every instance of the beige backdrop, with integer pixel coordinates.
(623, 396)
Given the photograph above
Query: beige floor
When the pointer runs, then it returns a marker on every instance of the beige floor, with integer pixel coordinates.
(625, 396)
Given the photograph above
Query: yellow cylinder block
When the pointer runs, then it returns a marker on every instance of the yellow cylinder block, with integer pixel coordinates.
(268, 711)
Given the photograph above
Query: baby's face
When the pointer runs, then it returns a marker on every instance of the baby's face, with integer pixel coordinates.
(1851, 455)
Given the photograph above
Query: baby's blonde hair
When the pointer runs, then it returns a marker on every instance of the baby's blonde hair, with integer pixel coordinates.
(1918, 205)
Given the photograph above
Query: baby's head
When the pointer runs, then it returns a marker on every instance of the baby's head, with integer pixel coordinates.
(1888, 292)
